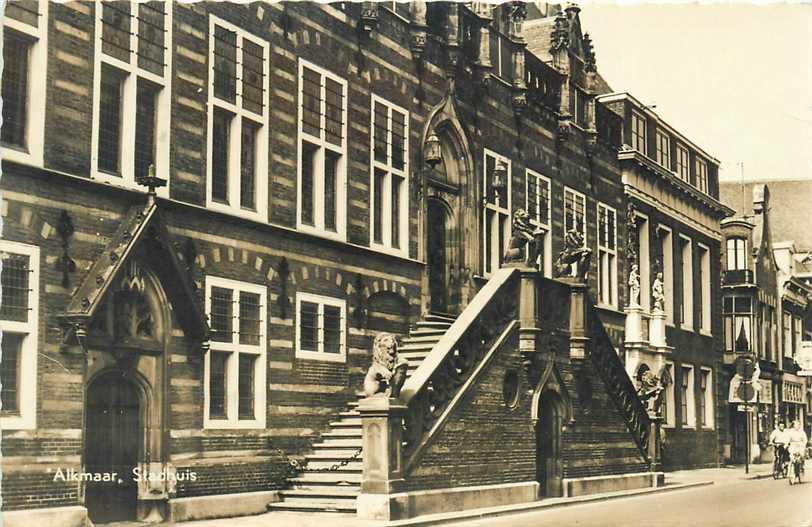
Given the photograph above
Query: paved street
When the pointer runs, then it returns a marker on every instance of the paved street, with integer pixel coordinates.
(730, 502)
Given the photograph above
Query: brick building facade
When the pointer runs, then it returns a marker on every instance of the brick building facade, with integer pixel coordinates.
(324, 173)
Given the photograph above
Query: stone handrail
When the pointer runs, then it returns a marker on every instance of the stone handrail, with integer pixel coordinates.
(622, 391)
(455, 357)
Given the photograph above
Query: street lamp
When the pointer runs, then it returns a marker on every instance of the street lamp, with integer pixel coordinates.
(432, 153)
(499, 178)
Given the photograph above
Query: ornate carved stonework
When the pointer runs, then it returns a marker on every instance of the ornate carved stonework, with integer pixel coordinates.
(658, 292)
(650, 390)
(524, 243)
(132, 316)
(634, 286)
(575, 256)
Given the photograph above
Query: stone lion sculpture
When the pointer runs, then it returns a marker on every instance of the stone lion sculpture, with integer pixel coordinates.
(649, 390)
(524, 239)
(387, 373)
(575, 256)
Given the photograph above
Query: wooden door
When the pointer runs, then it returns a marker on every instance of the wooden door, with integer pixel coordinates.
(436, 256)
(548, 446)
(112, 441)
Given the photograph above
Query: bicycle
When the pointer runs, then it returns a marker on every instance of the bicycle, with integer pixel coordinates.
(780, 464)
(797, 468)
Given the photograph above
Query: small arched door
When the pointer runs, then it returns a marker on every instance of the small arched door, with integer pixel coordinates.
(548, 445)
(112, 444)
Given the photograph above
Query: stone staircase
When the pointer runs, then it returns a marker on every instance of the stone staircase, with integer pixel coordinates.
(320, 489)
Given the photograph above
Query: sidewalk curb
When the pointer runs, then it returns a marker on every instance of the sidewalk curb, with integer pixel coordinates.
(473, 514)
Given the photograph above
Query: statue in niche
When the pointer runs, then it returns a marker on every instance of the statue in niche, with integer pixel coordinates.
(634, 286)
(524, 243)
(658, 293)
(631, 233)
(650, 390)
(575, 257)
(387, 373)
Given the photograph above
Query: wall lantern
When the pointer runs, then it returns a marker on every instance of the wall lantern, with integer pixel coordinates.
(499, 178)
(432, 153)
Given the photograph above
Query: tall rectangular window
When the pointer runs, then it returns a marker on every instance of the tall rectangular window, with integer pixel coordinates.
(537, 205)
(683, 165)
(238, 123)
(687, 401)
(322, 151)
(798, 332)
(666, 258)
(607, 255)
(25, 35)
(687, 290)
(574, 212)
(787, 326)
(639, 133)
(668, 409)
(390, 196)
(496, 217)
(663, 149)
(706, 398)
(19, 317)
(235, 365)
(736, 254)
(131, 93)
(737, 313)
(321, 328)
(702, 175)
(704, 283)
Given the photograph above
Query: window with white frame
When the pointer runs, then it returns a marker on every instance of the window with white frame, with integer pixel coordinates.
(607, 255)
(663, 149)
(25, 36)
(321, 328)
(132, 76)
(736, 254)
(574, 212)
(537, 205)
(19, 313)
(687, 291)
(706, 398)
(322, 151)
(667, 260)
(702, 175)
(638, 133)
(704, 283)
(235, 368)
(643, 259)
(496, 217)
(683, 165)
(787, 325)
(390, 176)
(737, 314)
(237, 169)
(668, 409)
(687, 401)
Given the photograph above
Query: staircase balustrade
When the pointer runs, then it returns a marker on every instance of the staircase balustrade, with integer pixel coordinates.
(617, 381)
(432, 387)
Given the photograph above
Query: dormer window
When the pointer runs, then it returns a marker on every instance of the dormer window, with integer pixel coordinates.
(736, 254)
(663, 150)
(702, 175)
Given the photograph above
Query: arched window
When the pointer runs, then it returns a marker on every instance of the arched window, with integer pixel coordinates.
(736, 254)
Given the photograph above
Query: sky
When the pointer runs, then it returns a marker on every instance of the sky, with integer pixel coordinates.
(736, 79)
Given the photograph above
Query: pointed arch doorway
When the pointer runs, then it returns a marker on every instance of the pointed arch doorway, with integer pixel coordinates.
(549, 470)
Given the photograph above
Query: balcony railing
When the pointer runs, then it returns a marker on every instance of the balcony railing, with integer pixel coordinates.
(543, 82)
(501, 55)
(738, 276)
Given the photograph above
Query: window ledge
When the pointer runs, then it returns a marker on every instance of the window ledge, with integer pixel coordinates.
(705, 333)
(217, 424)
(321, 357)
(611, 309)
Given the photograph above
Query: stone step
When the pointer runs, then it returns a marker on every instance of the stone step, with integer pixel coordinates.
(416, 346)
(440, 317)
(324, 488)
(351, 442)
(415, 355)
(325, 492)
(329, 478)
(419, 339)
(333, 506)
(342, 433)
(347, 422)
(326, 464)
(350, 413)
(426, 332)
(332, 454)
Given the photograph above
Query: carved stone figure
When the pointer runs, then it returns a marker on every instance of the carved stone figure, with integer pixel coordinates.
(658, 293)
(650, 391)
(574, 254)
(524, 243)
(387, 373)
(631, 233)
(634, 286)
